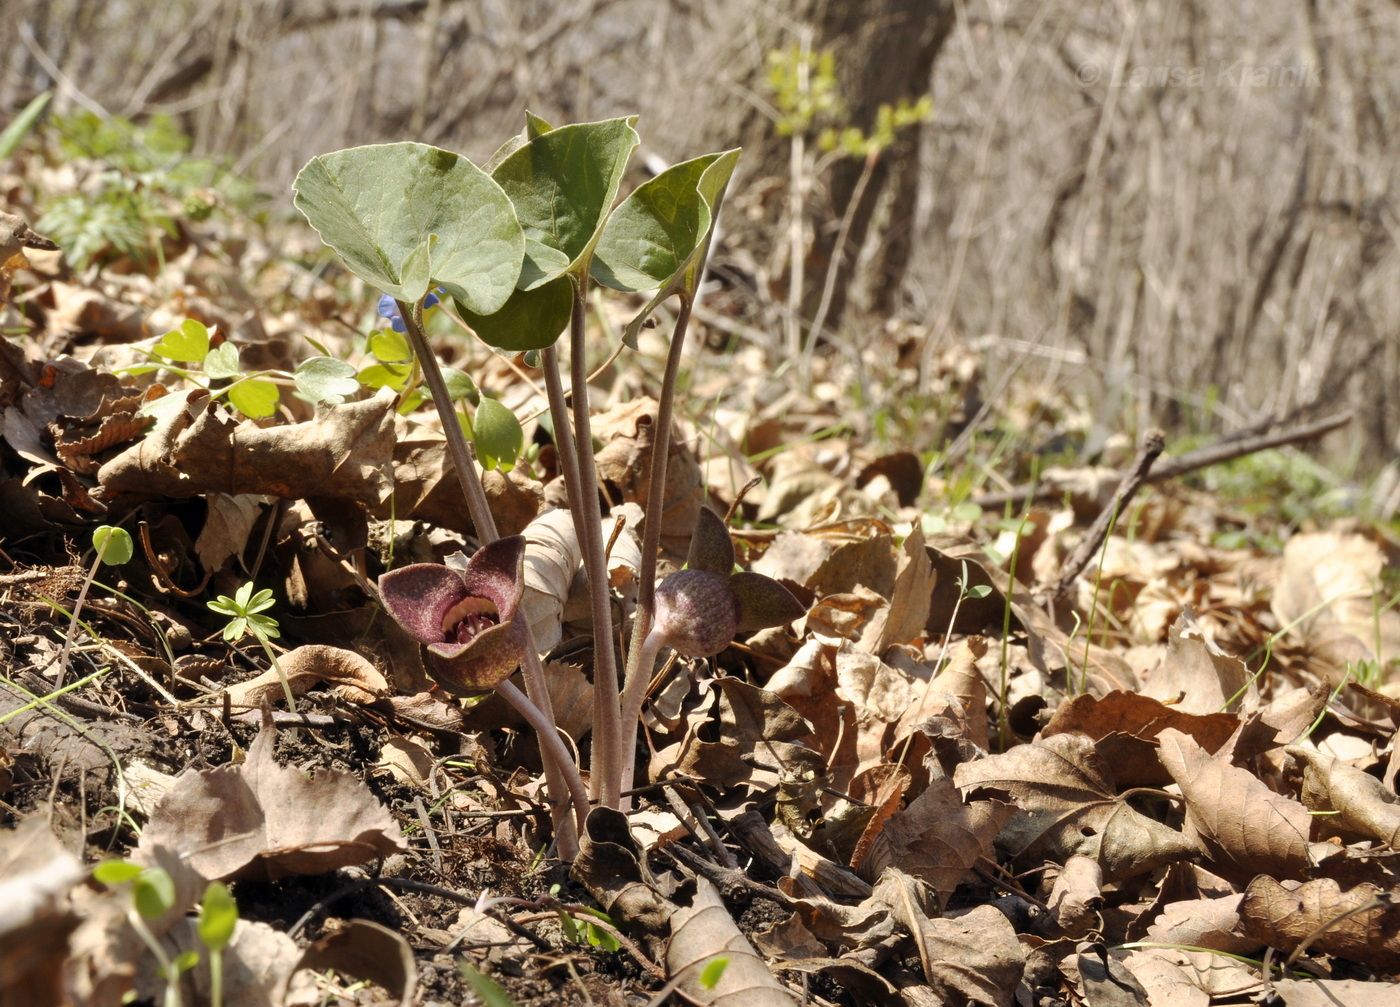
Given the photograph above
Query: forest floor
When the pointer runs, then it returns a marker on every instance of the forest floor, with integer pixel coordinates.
(1036, 738)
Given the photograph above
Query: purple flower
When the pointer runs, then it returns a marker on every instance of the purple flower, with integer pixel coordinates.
(700, 608)
(467, 619)
(390, 310)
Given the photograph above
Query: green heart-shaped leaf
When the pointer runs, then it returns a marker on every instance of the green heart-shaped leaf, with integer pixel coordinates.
(530, 320)
(660, 235)
(562, 184)
(406, 215)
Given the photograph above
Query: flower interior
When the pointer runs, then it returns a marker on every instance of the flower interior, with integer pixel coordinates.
(468, 617)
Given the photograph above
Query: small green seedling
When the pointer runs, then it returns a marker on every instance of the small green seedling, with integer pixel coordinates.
(152, 896)
(113, 547)
(245, 611)
(218, 916)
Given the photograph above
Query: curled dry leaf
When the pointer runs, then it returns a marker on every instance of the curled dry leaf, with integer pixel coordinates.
(1361, 923)
(1362, 803)
(1076, 895)
(704, 931)
(1067, 804)
(1241, 825)
(1195, 676)
(351, 677)
(263, 821)
(612, 867)
(973, 958)
(552, 557)
(1125, 725)
(344, 452)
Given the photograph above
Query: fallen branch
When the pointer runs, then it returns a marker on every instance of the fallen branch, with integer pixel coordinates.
(1083, 554)
(1227, 449)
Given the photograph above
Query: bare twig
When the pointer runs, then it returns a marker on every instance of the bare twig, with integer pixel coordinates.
(1083, 555)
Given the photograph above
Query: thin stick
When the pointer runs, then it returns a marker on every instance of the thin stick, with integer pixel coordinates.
(557, 774)
(1228, 449)
(1083, 555)
(606, 731)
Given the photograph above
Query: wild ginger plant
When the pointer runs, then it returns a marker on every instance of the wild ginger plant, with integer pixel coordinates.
(513, 249)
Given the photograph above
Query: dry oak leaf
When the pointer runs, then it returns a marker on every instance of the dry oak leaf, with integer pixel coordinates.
(344, 452)
(1363, 804)
(1195, 675)
(351, 677)
(937, 838)
(704, 931)
(974, 958)
(1067, 805)
(263, 821)
(1125, 725)
(1240, 824)
(1333, 921)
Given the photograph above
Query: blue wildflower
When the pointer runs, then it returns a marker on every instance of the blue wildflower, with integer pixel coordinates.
(388, 309)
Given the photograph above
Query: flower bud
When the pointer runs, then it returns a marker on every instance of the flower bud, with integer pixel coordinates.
(696, 613)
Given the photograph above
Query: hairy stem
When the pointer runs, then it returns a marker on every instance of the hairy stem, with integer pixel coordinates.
(606, 731)
(558, 775)
(641, 660)
(550, 742)
(638, 669)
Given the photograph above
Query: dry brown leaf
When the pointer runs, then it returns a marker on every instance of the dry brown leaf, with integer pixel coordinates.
(406, 760)
(624, 466)
(1333, 921)
(1242, 826)
(1204, 923)
(1361, 802)
(1337, 993)
(226, 528)
(1125, 725)
(1327, 597)
(363, 949)
(1196, 676)
(344, 452)
(1165, 982)
(907, 614)
(425, 488)
(959, 683)
(264, 821)
(937, 838)
(972, 958)
(36, 873)
(704, 931)
(1067, 804)
(351, 677)
(1103, 980)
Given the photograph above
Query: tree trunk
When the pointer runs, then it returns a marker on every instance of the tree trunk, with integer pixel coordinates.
(885, 52)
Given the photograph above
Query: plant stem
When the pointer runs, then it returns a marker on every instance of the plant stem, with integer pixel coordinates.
(641, 660)
(639, 669)
(216, 977)
(606, 729)
(73, 622)
(563, 429)
(550, 742)
(536, 686)
(167, 969)
(281, 675)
